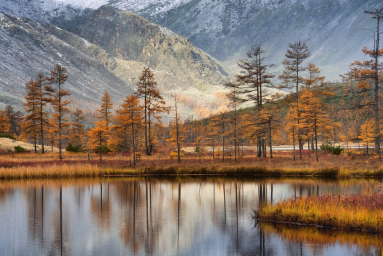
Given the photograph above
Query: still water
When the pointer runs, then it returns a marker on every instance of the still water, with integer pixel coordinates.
(180, 216)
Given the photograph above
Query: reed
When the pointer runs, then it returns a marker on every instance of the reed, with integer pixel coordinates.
(345, 212)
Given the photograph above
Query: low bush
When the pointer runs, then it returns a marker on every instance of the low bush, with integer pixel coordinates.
(6, 135)
(19, 149)
(105, 149)
(73, 148)
(331, 149)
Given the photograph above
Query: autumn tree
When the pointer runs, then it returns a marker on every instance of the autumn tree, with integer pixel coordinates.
(176, 131)
(218, 127)
(99, 136)
(30, 125)
(77, 128)
(292, 125)
(367, 132)
(4, 122)
(57, 95)
(153, 104)
(313, 117)
(105, 112)
(295, 55)
(235, 101)
(51, 133)
(15, 119)
(130, 119)
(42, 100)
(313, 78)
(252, 82)
(368, 74)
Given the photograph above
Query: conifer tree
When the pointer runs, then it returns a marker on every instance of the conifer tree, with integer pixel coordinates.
(4, 122)
(99, 136)
(371, 71)
(295, 55)
(42, 100)
(15, 119)
(60, 105)
(51, 132)
(313, 116)
(153, 104)
(77, 129)
(252, 82)
(176, 131)
(367, 132)
(105, 113)
(30, 126)
(130, 120)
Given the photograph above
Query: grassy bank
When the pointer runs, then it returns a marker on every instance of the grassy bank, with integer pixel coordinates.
(345, 212)
(30, 165)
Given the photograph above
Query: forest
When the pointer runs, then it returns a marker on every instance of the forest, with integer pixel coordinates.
(315, 118)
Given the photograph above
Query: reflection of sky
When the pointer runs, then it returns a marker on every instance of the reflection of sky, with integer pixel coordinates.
(208, 224)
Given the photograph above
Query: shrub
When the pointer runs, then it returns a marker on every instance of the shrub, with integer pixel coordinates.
(328, 149)
(105, 149)
(19, 149)
(71, 148)
(6, 135)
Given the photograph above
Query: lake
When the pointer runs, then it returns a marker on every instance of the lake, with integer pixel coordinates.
(169, 216)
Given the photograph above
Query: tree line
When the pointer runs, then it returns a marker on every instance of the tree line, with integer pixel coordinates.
(135, 126)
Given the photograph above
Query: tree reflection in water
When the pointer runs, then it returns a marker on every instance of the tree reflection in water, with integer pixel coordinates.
(183, 216)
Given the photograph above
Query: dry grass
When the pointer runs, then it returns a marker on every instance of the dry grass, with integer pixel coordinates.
(345, 212)
(161, 164)
(323, 237)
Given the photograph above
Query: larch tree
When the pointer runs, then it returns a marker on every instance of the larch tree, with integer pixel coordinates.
(77, 128)
(105, 112)
(130, 119)
(313, 78)
(5, 125)
(60, 105)
(252, 82)
(295, 55)
(15, 119)
(292, 125)
(313, 116)
(235, 101)
(99, 136)
(51, 132)
(369, 75)
(153, 104)
(218, 127)
(42, 100)
(30, 125)
(176, 131)
(367, 132)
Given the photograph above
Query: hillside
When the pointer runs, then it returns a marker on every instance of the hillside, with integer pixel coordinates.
(27, 47)
(108, 50)
(335, 30)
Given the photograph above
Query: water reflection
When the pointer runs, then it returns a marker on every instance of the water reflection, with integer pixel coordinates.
(178, 216)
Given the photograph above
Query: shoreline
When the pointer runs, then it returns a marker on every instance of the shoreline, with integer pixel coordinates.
(88, 170)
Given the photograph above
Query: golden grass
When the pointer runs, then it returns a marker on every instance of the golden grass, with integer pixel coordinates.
(345, 212)
(311, 235)
(47, 165)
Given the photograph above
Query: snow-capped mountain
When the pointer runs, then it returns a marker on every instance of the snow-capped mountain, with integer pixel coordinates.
(335, 30)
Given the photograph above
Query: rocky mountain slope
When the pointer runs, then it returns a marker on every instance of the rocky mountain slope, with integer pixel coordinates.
(108, 50)
(335, 30)
(27, 47)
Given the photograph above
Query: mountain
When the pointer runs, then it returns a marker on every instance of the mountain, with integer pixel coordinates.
(107, 49)
(27, 47)
(335, 30)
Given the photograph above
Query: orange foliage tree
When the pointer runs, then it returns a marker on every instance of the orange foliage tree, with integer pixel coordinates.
(99, 136)
(130, 121)
(153, 104)
(60, 105)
